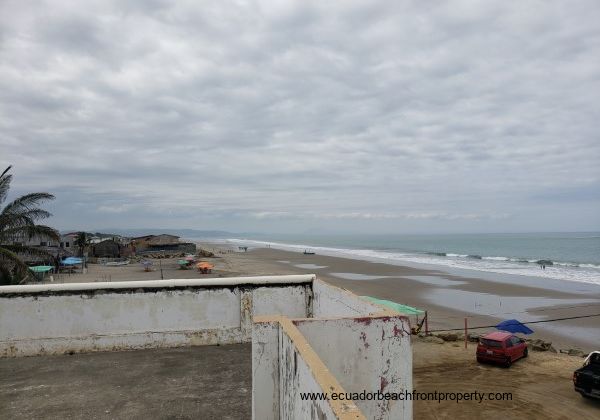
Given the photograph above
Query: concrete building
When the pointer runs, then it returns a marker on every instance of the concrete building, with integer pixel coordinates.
(108, 248)
(67, 241)
(35, 241)
(306, 336)
(160, 243)
(163, 241)
(52, 249)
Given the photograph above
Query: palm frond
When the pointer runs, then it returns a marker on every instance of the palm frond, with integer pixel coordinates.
(5, 179)
(6, 276)
(43, 231)
(37, 214)
(11, 261)
(20, 233)
(17, 222)
(21, 219)
(26, 202)
(14, 223)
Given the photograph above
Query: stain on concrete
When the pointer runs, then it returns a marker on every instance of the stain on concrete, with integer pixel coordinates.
(182, 383)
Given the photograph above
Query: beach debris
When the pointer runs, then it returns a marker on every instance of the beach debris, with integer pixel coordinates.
(577, 353)
(537, 344)
(447, 336)
(205, 253)
(433, 339)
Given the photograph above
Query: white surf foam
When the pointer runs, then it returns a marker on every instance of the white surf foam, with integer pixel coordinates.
(584, 273)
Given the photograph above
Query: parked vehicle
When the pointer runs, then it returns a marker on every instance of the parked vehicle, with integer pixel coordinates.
(501, 347)
(587, 378)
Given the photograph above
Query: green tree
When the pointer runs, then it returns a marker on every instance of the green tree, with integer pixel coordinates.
(82, 241)
(18, 223)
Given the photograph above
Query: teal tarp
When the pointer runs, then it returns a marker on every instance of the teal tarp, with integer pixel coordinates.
(41, 268)
(404, 309)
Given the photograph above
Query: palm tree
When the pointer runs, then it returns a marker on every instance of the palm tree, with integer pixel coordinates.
(17, 224)
(82, 241)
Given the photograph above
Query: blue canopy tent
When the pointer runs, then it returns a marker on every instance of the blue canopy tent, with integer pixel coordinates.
(514, 326)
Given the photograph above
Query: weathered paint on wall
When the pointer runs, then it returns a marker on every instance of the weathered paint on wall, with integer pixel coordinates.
(265, 370)
(269, 301)
(77, 321)
(366, 354)
(118, 313)
(365, 347)
(297, 377)
(331, 301)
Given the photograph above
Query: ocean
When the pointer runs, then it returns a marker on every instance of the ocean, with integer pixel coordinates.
(573, 256)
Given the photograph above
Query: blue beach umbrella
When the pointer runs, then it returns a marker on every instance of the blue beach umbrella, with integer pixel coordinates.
(514, 326)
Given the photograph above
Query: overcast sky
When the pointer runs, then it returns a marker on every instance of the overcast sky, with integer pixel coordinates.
(302, 116)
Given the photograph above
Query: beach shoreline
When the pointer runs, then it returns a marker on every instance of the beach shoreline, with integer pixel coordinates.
(448, 296)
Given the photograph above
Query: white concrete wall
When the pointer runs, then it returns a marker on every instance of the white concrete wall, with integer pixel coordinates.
(296, 377)
(72, 320)
(366, 354)
(265, 370)
(331, 301)
(293, 303)
(362, 345)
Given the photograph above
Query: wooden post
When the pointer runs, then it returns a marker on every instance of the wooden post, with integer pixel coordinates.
(426, 324)
(466, 337)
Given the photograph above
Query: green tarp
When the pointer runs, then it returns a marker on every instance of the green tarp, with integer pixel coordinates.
(404, 309)
(41, 268)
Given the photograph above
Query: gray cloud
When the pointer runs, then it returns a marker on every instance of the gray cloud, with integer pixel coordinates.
(292, 115)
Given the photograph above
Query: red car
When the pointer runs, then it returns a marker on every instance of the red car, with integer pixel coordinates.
(501, 347)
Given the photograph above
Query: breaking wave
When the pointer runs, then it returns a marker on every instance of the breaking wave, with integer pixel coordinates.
(561, 270)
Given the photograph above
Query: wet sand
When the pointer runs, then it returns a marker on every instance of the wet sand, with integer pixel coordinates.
(448, 298)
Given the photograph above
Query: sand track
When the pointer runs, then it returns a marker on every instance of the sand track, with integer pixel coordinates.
(541, 385)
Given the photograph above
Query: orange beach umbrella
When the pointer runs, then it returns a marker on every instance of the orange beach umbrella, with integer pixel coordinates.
(205, 265)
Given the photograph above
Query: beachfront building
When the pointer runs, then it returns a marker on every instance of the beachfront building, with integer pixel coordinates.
(67, 241)
(34, 241)
(161, 243)
(221, 348)
(140, 243)
(108, 248)
(53, 250)
(166, 242)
